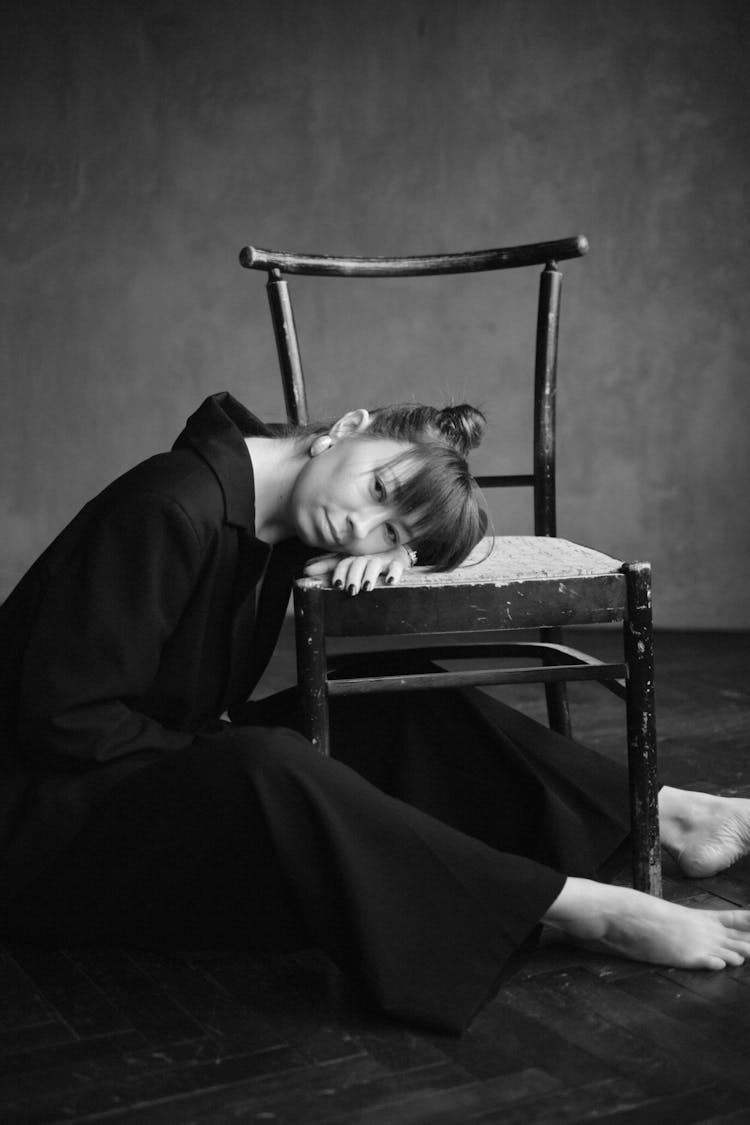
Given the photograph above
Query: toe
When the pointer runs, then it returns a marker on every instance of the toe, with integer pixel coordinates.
(733, 957)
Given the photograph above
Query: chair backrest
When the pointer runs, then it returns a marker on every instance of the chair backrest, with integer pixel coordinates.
(547, 254)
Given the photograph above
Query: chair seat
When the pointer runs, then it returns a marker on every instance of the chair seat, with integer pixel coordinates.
(509, 582)
(519, 558)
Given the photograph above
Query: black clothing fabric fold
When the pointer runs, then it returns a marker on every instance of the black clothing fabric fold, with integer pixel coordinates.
(420, 857)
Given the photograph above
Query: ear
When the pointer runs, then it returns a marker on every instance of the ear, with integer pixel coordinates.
(353, 422)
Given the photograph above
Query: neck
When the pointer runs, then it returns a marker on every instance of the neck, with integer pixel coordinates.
(276, 463)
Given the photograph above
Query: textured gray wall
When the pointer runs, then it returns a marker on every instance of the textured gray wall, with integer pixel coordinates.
(147, 140)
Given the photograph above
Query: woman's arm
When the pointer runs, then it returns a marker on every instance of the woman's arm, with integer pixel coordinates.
(94, 649)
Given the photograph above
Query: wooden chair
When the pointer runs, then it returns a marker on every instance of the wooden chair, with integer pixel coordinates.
(535, 582)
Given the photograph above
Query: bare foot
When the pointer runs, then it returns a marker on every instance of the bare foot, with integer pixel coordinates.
(703, 833)
(643, 928)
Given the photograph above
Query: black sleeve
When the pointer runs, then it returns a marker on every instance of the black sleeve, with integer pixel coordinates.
(96, 641)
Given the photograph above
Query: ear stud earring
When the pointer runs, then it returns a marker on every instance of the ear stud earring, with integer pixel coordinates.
(321, 443)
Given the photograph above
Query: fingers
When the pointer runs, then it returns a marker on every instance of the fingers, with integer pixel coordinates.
(355, 573)
(360, 573)
(320, 566)
(349, 573)
(395, 569)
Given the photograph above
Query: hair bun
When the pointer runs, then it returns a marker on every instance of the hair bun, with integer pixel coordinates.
(462, 426)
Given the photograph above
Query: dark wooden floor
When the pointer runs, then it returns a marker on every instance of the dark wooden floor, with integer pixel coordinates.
(122, 1036)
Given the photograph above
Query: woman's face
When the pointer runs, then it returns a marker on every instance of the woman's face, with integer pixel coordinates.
(341, 500)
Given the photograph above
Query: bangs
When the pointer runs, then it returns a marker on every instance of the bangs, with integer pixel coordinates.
(439, 502)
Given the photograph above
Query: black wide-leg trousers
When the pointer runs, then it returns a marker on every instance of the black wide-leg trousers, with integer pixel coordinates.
(420, 857)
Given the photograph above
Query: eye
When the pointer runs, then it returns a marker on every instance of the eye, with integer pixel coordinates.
(391, 535)
(381, 493)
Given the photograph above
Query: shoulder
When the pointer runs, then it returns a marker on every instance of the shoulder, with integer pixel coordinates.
(176, 487)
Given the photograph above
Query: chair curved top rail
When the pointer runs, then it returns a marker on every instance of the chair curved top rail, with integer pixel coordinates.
(472, 261)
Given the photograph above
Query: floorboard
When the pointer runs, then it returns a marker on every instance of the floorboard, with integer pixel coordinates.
(208, 1038)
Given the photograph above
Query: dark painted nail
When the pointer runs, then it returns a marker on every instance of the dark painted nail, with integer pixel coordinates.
(367, 585)
(390, 579)
(351, 591)
(338, 584)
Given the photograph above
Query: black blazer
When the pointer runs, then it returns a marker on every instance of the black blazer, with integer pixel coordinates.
(134, 631)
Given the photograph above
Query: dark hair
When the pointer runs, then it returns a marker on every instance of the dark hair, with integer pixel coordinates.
(439, 501)
(460, 427)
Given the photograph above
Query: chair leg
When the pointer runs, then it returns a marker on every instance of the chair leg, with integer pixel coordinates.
(312, 666)
(558, 712)
(644, 789)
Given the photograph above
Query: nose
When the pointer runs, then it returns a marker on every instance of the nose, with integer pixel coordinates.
(362, 523)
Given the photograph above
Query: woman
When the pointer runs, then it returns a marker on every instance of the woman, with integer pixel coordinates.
(421, 859)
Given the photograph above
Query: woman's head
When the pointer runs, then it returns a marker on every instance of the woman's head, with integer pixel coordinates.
(396, 475)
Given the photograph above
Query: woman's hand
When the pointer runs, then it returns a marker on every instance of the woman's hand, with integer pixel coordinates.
(359, 572)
